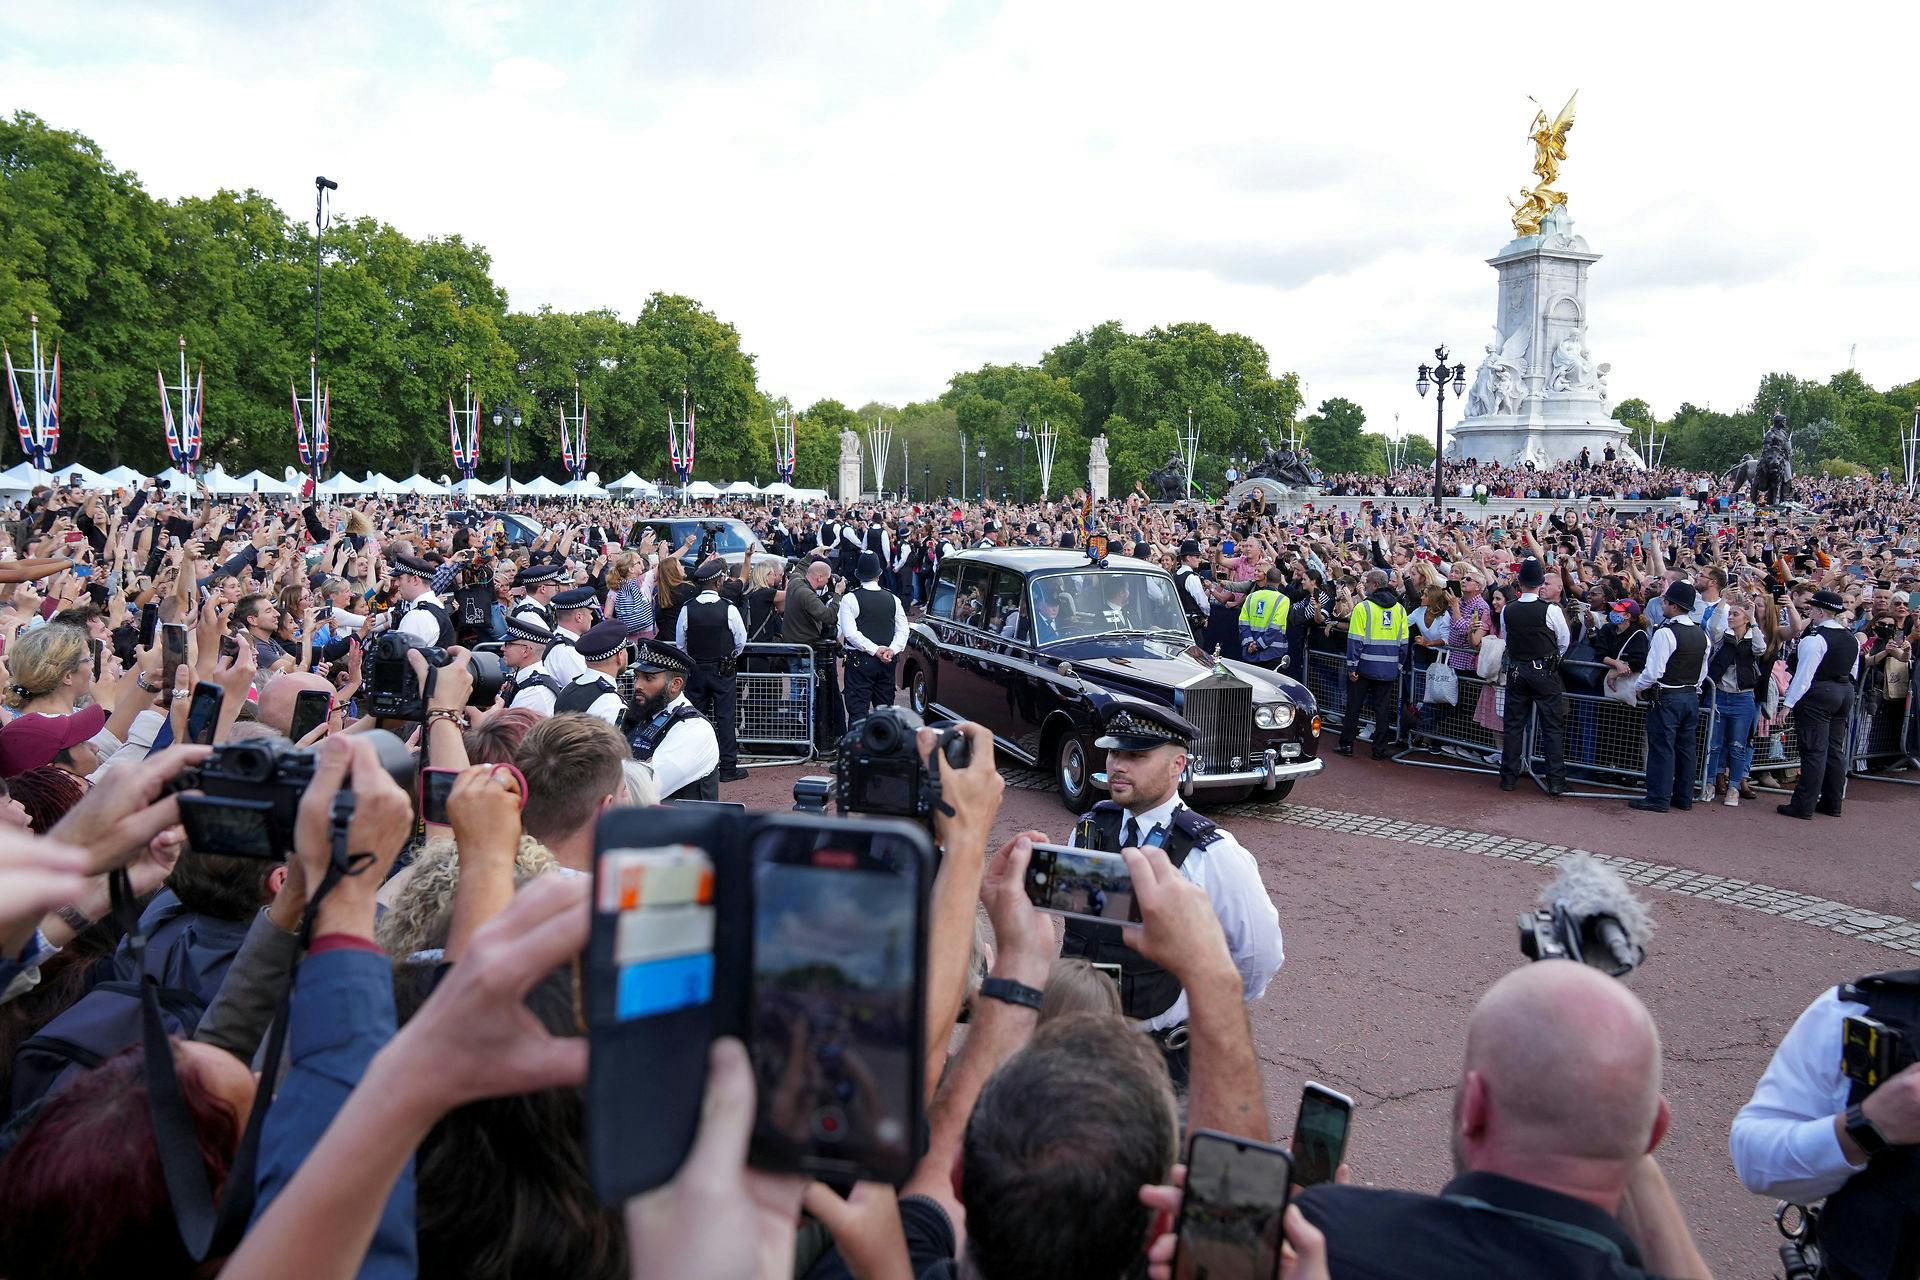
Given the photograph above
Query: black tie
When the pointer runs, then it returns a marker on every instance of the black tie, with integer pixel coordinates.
(1131, 840)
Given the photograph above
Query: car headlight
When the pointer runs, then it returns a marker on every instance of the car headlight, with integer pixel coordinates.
(1273, 715)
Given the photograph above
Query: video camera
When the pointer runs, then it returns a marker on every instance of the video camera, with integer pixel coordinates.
(394, 692)
(880, 771)
(250, 792)
(1587, 914)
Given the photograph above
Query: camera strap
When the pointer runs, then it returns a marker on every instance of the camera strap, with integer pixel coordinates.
(207, 1230)
(1551, 1226)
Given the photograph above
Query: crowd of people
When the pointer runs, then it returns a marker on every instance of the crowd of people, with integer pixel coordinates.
(410, 988)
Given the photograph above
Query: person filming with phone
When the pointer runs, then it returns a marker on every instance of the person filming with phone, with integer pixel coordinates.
(1147, 749)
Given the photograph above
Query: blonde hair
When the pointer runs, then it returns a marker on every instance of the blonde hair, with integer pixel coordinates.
(41, 658)
(1075, 986)
(422, 912)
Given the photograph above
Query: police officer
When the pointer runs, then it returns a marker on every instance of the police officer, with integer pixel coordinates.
(1263, 622)
(574, 611)
(425, 618)
(1675, 661)
(1537, 638)
(531, 684)
(712, 633)
(1820, 695)
(873, 629)
(1146, 749)
(1376, 643)
(1193, 589)
(539, 584)
(596, 690)
(1815, 1128)
(669, 734)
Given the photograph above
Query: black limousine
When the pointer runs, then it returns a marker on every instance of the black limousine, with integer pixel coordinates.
(1032, 642)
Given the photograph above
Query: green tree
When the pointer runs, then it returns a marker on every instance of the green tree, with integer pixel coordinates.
(817, 444)
(1336, 434)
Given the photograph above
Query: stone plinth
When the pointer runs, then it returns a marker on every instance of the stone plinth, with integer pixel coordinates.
(1098, 470)
(849, 487)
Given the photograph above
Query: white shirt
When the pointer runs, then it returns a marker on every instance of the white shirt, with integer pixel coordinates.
(734, 624)
(1756, 639)
(850, 622)
(1556, 621)
(1807, 658)
(608, 705)
(1658, 651)
(535, 698)
(688, 753)
(420, 624)
(531, 609)
(562, 659)
(1196, 592)
(1783, 1141)
(140, 735)
(1246, 912)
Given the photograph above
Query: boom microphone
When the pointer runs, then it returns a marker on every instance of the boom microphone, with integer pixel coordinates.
(1588, 914)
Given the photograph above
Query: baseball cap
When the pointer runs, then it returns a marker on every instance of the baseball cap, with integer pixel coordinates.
(32, 740)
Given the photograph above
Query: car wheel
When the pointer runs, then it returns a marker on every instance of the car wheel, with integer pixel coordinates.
(1073, 772)
(919, 691)
(1227, 795)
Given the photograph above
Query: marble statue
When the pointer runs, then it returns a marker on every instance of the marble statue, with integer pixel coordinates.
(1573, 365)
(1099, 473)
(1097, 452)
(849, 487)
(1497, 387)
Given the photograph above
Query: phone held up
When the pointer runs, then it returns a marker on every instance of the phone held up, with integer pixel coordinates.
(435, 786)
(1085, 884)
(311, 709)
(1320, 1134)
(203, 713)
(1232, 1214)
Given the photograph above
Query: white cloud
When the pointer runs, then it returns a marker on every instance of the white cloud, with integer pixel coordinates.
(879, 194)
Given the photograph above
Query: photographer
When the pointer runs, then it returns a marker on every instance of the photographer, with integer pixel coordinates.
(809, 618)
(1813, 1129)
(711, 632)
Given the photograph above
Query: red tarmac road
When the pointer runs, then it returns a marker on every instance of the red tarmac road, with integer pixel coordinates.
(1390, 941)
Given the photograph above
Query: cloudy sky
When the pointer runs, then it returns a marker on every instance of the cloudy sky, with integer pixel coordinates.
(879, 194)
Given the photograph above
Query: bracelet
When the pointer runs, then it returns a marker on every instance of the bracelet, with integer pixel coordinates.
(1011, 992)
(74, 918)
(458, 718)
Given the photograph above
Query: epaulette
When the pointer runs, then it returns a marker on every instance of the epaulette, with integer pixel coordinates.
(1105, 806)
(1201, 831)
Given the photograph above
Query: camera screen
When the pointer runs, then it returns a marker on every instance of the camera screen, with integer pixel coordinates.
(1082, 882)
(1230, 1218)
(234, 828)
(834, 957)
(881, 791)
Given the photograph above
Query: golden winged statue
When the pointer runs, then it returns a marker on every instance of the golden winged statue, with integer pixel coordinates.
(1549, 149)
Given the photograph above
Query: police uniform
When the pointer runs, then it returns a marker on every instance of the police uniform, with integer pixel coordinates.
(425, 618)
(1193, 591)
(1784, 1144)
(1537, 638)
(1263, 627)
(1376, 643)
(1206, 854)
(562, 656)
(1675, 662)
(676, 742)
(527, 607)
(712, 634)
(871, 619)
(1820, 695)
(533, 686)
(596, 693)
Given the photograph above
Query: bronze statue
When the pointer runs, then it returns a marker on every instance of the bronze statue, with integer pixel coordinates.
(1549, 149)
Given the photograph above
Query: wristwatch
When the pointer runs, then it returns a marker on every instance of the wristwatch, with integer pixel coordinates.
(1010, 991)
(1862, 1131)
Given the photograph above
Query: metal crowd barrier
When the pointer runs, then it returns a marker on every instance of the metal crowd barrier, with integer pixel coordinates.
(775, 707)
(1470, 735)
(1325, 675)
(1887, 739)
(1605, 741)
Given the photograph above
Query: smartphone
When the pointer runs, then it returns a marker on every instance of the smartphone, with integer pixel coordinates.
(838, 1003)
(435, 786)
(1085, 884)
(1230, 1225)
(1320, 1134)
(229, 648)
(311, 709)
(98, 651)
(203, 713)
(173, 652)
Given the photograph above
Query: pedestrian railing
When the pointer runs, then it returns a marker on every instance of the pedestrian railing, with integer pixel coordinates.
(1888, 740)
(1470, 734)
(1326, 679)
(774, 711)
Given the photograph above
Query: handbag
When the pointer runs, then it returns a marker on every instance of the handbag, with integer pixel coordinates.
(1443, 684)
(1620, 689)
(1493, 650)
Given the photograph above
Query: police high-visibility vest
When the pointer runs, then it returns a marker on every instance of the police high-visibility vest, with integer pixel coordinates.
(1375, 637)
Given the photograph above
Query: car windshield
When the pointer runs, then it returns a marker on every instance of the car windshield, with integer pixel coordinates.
(1101, 601)
(727, 537)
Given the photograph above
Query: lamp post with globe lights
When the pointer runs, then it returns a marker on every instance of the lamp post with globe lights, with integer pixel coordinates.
(1021, 434)
(1438, 376)
(512, 418)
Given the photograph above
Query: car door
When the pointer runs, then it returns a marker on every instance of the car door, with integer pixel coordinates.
(948, 677)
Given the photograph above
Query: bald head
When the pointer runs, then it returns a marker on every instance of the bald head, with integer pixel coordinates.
(1562, 1067)
(275, 709)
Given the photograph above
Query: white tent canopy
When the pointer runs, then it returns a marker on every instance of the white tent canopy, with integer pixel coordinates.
(628, 481)
(779, 489)
(539, 487)
(583, 489)
(86, 477)
(810, 495)
(417, 483)
(378, 482)
(124, 475)
(218, 481)
(747, 487)
(174, 481)
(260, 482)
(21, 478)
(342, 484)
(701, 489)
(479, 486)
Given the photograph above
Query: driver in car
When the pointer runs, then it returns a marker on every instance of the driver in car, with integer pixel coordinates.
(1117, 598)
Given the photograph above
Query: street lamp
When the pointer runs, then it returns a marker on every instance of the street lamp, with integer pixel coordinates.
(1000, 479)
(926, 493)
(1439, 376)
(512, 418)
(981, 454)
(1023, 433)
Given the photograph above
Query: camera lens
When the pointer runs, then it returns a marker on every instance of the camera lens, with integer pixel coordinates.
(247, 763)
(880, 734)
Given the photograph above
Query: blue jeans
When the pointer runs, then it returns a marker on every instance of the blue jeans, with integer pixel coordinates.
(1730, 751)
(1672, 720)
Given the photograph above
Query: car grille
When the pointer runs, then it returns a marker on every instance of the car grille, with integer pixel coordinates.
(1224, 715)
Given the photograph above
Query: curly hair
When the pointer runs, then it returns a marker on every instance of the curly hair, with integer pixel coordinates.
(422, 912)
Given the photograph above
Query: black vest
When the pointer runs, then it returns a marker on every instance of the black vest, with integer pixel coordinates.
(874, 620)
(582, 694)
(538, 680)
(709, 638)
(647, 739)
(558, 642)
(1146, 990)
(1738, 655)
(1529, 638)
(1871, 1225)
(1688, 659)
(876, 543)
(439, 615)
(1196, 616)
(1843, 647)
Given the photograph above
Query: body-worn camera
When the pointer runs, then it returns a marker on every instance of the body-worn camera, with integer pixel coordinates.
(880, 769)
(394, 692)
(1871, 1051)
(250, 791)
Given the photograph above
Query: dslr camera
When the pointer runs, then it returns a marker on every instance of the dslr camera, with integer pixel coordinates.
(394, 692)
(250, 791)
(880, 771)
